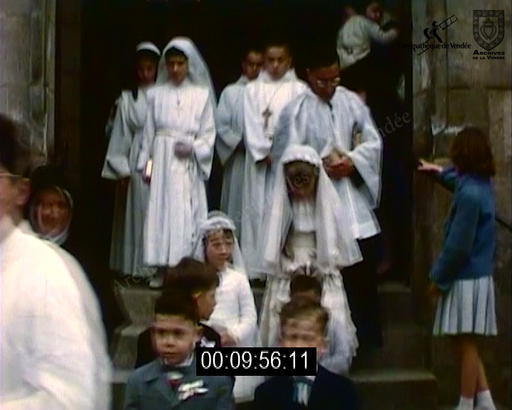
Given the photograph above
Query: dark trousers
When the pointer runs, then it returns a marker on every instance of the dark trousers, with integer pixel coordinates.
(360, 283)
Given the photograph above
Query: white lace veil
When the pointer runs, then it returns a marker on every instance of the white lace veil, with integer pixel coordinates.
(198, 71)
(218, 220)
(336, 246)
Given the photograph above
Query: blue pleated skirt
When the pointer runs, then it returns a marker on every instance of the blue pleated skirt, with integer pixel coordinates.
(468, 307)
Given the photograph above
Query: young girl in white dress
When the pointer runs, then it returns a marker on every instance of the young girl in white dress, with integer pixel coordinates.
(176, 155)
(120, 165)
(304, 230)
(234, 316)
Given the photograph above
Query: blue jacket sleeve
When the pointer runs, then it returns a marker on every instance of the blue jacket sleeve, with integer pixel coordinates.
(449, 178)
(132, 397)
(459, 239)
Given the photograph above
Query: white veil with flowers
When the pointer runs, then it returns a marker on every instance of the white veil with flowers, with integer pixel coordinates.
(218, 220)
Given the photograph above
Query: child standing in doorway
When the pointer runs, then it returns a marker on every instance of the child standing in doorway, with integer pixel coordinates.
(462, 282)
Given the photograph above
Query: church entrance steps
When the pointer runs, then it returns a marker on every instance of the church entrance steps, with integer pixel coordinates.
(123, 351)
(405, 347)
(391, 378)
(394, 389)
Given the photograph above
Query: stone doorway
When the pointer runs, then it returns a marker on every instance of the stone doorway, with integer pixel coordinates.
(109, 30)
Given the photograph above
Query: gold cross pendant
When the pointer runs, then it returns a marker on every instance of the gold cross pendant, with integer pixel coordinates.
(266, 115)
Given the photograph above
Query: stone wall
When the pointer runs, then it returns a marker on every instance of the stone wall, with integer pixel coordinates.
(68, 88)
(27, 68)
(450, 91)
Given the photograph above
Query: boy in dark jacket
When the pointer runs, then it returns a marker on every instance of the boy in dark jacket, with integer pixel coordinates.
(303, 323)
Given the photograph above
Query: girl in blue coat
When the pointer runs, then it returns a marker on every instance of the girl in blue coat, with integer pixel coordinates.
(461, 277)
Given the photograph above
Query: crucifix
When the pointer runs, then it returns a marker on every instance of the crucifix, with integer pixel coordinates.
(178, 103)
(266, 115)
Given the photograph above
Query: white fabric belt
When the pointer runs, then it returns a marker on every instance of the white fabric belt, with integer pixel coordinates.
(165, 132)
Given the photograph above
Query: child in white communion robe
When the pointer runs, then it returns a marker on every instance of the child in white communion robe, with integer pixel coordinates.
(234, 316)
(304, 228)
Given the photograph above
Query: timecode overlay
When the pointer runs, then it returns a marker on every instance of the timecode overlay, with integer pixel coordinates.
(256, 361)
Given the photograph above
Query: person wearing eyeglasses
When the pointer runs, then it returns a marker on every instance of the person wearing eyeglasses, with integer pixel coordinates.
(53, 353)
(338, 125)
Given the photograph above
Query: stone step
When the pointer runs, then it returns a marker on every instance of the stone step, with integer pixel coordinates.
(385, 389)
(123, 349)
(405, 347)
(138, 301)
(396, 389)
(119, 379)
(396, 303)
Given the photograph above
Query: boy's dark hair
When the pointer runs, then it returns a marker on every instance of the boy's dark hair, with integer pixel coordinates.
(251, 49)
(321, 56)
(471, 153)
(176, 302)
(15, 155)
(278, 41)
(301, 307)
(305, 283)
(175, 52)
(192, 276)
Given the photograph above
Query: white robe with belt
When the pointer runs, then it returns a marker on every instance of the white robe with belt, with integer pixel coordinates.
(262, 94)
(53, 351)
(230, 129)
(130, 206)
(177, 198)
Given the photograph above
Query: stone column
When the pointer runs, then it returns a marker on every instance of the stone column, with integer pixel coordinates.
(27, 68)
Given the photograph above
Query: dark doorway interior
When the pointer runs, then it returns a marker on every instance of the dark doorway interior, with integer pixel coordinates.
(221, 29)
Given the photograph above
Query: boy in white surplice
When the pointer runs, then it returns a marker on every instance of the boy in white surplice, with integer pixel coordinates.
(176, 154)
(120, 165)
(230, 145)
(305, 229)
(264, 100)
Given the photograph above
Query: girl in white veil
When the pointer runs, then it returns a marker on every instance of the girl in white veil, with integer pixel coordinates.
(234, 316)
(176, 155)
(131, 193)
(218, 220)
(198, 71)
(305, 230)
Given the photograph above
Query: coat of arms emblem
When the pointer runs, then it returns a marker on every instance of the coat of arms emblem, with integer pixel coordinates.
(488, 28)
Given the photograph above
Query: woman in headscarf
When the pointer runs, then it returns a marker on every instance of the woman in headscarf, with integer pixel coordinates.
(176, 155)
(50, 208)
(306, 231)
(120, 165)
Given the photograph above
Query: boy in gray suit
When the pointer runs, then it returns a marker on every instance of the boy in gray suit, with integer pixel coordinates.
(170, 381)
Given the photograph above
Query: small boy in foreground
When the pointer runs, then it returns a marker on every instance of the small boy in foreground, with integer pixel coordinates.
(341, 349)
(303, 323)
(171, 381)
(200, 281)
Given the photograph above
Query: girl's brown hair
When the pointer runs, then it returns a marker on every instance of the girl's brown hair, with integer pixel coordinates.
(471, 153)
